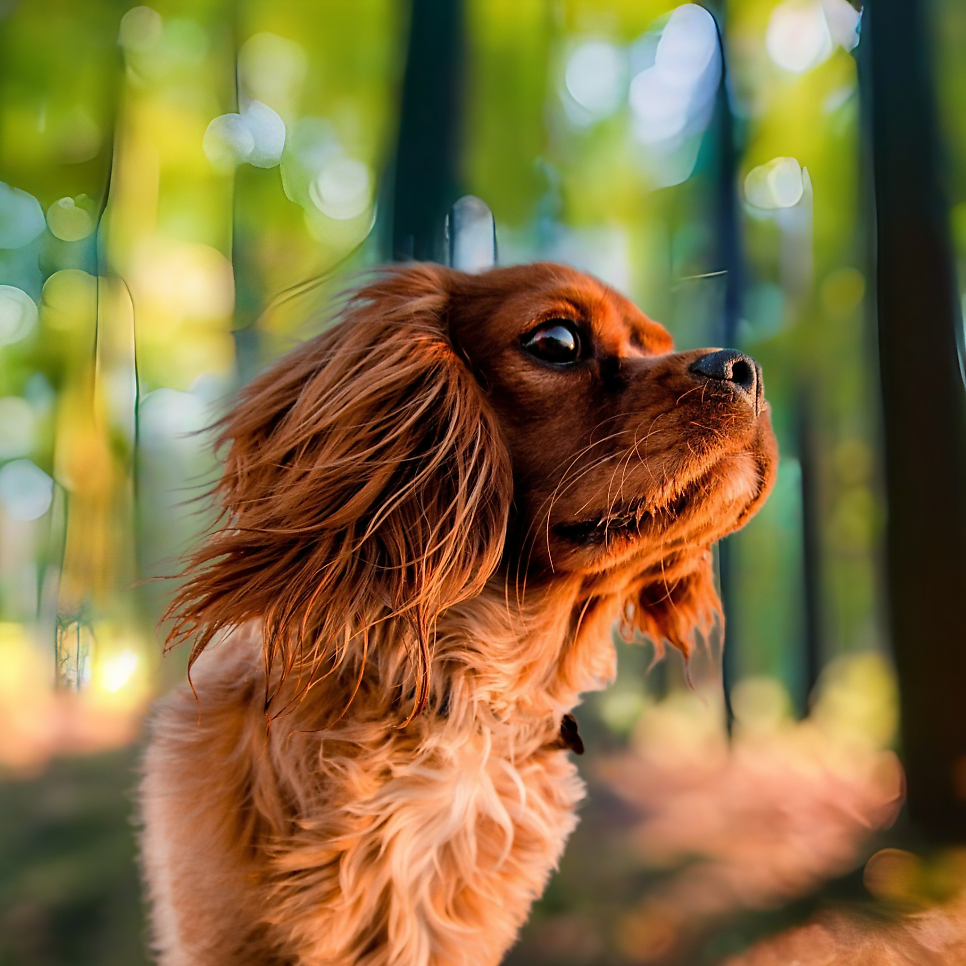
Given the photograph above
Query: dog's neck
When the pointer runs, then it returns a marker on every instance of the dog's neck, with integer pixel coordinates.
(528, 657)
(504, 664)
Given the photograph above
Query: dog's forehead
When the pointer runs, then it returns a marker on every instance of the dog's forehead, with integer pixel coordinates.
(616, 321)
(534, 292)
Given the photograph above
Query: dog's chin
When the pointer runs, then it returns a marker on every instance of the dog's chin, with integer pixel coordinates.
(711, 504)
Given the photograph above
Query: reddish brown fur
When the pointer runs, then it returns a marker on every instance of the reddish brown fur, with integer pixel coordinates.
(427, 536)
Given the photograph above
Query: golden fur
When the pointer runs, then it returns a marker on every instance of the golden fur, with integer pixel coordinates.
(428, 532)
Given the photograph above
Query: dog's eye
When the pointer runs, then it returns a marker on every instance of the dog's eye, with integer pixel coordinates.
(555, 341)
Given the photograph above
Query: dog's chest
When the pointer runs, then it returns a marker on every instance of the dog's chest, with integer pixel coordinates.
(477, 805)
(466, 827)
(426, 848)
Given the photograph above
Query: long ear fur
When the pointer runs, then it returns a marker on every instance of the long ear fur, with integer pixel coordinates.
(365, 484)
(674, 609)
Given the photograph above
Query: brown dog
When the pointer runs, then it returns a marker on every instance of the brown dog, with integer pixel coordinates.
(434, 513)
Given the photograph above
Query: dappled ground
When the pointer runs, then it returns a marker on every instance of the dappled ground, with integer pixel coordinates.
(69, 891)
(693, 845)
(885, 934)
(775, 846)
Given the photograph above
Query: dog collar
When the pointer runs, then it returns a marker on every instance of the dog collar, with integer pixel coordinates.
(569, 736)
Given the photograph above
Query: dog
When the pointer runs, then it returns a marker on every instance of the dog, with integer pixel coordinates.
(433, 515)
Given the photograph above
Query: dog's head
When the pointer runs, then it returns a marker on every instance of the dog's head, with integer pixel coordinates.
(528, 423)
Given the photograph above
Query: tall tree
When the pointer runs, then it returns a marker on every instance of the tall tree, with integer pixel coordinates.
(427, 152)
(924, 412)
(728, 260)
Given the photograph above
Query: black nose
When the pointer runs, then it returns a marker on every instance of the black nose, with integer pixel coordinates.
(732, 367)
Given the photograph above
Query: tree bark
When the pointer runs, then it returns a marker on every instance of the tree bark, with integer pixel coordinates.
(427, 154)
(924, 413)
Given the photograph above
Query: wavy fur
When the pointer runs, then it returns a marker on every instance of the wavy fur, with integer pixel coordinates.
(426, 538)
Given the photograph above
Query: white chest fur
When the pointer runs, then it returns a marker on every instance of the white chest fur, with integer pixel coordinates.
(445, 849)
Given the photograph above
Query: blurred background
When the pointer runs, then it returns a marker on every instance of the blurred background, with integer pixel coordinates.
(185, 187)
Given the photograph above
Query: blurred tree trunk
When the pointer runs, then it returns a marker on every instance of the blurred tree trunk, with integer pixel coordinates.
(924, 413)
(727, 233)
(427, 152)
(808, 458)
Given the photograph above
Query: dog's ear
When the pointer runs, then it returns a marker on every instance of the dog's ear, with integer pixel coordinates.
(366, 485)
(674, 609)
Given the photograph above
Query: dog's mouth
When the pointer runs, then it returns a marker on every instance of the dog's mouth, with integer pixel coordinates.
(725, 489)
(630, 520)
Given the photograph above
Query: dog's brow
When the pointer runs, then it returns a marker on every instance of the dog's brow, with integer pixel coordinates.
(567, 306)
(645, 341)
(637, 339)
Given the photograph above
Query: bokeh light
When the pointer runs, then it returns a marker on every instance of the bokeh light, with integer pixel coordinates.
(117, 671)
(140, 28)
(257, 136)
(798, 37)
(594, 80)
(21, 217)
(803, 33)
(342, 189)
(673, 98)
(26, 490)
(18, 427)
(777, 184)
(18, 314)
(68, 220)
